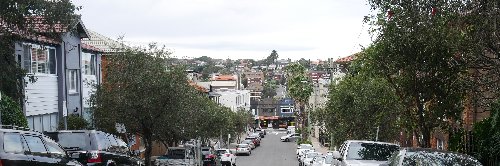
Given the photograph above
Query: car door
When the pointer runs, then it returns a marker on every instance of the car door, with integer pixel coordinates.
(14, 150)
(37, 151)
(55, 151)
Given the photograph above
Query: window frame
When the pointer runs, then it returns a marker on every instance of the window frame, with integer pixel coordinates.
(92, 64)
(51, 63)
(23, 149)
(72, 86)
(30, 148)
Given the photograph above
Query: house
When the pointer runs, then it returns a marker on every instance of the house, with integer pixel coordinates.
(272, 113)
(233, 99)
(56, 66)
(91, 76)
(225, 82)
(254, 77)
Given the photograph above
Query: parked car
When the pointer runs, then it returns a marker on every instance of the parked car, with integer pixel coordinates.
(177, 156)
(306, 160)
(94, 147)
(290, 130)
(303, 148)
(31, 148)
(290, 137)
(354, 152)
(422, 156)
(328, 160)
(318, 161)
(255, 140)
(227, 158)
(261, 132)
(249, 142)
(243, 149)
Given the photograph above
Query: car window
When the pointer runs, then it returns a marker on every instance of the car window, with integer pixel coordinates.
(74, 140)
(53, 146)
(222, 152)
(12, 143)
(370, 151)
(176, 154)
(35, 144)
(102, 141)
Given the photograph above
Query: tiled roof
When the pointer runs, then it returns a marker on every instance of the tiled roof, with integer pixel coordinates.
(347, 58)
(90, 48)
(224, 78)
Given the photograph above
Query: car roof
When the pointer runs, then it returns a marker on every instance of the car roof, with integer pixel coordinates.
(242, 144)
(20, 131)
(376, 142)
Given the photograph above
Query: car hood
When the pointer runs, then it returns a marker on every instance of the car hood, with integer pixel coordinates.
(363, 162)
(283, 137)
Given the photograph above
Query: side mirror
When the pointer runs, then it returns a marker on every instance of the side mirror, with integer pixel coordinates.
(336, 155)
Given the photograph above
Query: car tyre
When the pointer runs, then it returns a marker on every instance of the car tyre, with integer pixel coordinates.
(286, 140)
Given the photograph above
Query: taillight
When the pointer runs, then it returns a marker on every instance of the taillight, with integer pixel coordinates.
(1, 162)
(227, 155)
(94, 157)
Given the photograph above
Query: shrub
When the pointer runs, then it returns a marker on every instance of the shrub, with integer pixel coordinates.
(12, 113)
(75, 122)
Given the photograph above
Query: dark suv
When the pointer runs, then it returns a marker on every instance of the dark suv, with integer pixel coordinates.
(31, 148)
(93, 147)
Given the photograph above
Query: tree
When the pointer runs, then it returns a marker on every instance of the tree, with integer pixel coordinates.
(349, 103)
(417, 49)
(12, 113)
(20, 16)
(300, 89)
(141, 94)
(272, 57)
(487, 137)
(305, 63)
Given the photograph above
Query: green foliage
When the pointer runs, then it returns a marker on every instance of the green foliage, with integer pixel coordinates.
(359, 104)
(487, 137)
(12, 113)
(299, 88)
(301, 141)
(18, 15)
(418, 53)
(272, 57)
(75, 122)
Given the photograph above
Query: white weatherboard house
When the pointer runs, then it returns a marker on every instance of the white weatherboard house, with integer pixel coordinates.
(56, 68)
(234, 99)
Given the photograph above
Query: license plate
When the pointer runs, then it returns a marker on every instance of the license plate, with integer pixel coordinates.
(75, 155)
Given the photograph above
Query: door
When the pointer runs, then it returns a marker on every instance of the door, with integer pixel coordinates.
(14, 150)
(38, 152)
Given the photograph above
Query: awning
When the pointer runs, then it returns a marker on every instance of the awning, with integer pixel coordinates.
(268, 117)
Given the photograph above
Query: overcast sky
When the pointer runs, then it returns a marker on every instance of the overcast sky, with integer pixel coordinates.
(236, 29)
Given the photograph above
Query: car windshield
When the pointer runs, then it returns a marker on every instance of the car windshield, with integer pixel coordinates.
(247, 141)
(311, 155)
(438, 159)
(370, 151)
(305, 146)
(73, 140)
(176, 154)
(242, 146)
(329, 159)
(221, 152)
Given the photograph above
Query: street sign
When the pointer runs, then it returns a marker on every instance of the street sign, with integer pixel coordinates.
(120, 128)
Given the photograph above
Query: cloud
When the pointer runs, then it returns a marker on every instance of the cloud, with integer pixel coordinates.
(222, 28)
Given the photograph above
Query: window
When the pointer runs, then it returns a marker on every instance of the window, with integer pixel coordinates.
(39, 59)
(286, 110)
(73, 80)
(35, 144)
(12, 143)
(89, 63)
(76, 140)
(53, 147)
(102, 140)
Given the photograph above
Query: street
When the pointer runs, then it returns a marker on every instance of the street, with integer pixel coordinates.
(272, 152)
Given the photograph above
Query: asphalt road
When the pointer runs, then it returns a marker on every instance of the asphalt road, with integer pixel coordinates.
(280, 91)
(271, 152)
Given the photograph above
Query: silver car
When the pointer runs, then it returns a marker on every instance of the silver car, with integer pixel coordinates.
(243, 149)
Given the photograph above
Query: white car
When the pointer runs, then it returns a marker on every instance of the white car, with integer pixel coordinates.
(318, 161)
(308, 157)
(249, 142)
(328, 160)
(290, 137)
(226, 157)
(302, 148)
(243, 149)
(374, 153)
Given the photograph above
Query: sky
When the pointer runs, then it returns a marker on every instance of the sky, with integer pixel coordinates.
(235, 29)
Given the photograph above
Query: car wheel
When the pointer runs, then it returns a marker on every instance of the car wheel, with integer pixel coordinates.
(286, 140)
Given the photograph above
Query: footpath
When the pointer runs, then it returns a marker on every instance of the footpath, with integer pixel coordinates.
(317, 145)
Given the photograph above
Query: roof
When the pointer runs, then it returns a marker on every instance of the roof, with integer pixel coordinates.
(198, 87)
(223, 83)
(347, 58)
(224, 78)
(102, 42)
(90, 48)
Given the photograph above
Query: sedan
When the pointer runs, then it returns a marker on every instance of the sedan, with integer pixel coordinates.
(290, 137)
(249, 142)
(243, 149)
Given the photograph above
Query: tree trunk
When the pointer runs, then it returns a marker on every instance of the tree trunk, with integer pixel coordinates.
(148, 143)
(305, 132)
(424, 130)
